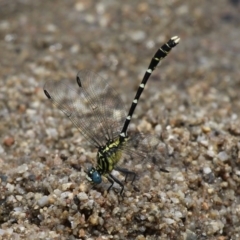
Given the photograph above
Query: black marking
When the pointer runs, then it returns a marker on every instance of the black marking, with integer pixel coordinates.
(47, 94)
(163, 170)
(79, 81)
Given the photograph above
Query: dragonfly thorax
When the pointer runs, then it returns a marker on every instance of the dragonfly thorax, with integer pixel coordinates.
(108, 156)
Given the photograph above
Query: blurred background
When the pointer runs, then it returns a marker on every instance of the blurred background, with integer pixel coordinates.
(49, 40)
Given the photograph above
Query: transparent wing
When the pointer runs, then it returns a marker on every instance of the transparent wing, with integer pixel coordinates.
(92, 105)
(145, 149)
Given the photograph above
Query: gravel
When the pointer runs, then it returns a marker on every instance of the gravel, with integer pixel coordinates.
(192, 100)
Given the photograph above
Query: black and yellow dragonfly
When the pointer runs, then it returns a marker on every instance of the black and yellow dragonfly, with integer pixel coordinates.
(96, 110)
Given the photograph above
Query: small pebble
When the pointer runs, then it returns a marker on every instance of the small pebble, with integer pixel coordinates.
(22, 169)
(9, 141)
(10, 187)
(207, 170)
(43, 201)
(82, 196)
(169, 220)
(66, 186)
(223, 156)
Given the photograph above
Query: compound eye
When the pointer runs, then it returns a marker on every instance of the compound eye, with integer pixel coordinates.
(96, 177)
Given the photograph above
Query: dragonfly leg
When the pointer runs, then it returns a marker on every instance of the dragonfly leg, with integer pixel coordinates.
(127, 173)
(113, 179)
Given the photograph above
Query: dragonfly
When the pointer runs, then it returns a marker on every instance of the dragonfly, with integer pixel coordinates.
(97, 111)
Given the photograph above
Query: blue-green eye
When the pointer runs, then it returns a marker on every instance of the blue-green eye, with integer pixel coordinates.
(94, 176)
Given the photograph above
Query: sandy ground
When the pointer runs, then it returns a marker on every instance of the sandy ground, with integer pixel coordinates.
(192, 101)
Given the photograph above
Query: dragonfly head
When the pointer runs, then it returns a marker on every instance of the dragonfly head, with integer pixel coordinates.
(94, 176)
